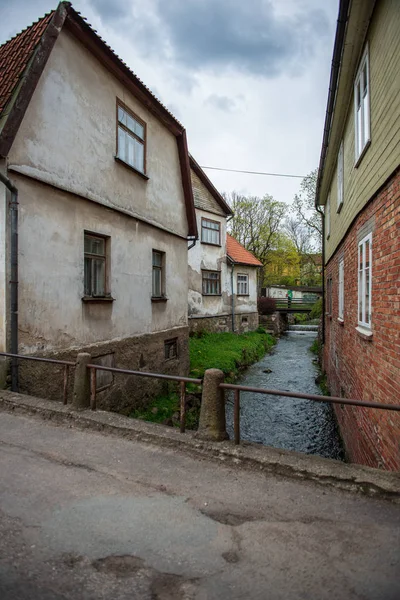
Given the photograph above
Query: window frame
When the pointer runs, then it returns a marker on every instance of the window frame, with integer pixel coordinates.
(106, 259)
(247, 284)
(205, 271)
(205, 219)
(340, 177)
(359, 80)
(168, 345)
(160, 269)
(361, 275)
(341, 291)
(329, 289)
(328, 217)
(134, 116)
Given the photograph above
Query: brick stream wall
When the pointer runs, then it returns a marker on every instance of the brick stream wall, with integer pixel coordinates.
(361, 368)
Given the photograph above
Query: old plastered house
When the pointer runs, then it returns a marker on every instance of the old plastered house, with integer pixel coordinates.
(359, 187)
(105, 210)
(222, 274)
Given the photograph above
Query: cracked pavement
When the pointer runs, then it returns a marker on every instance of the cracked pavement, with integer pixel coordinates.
(85, 515)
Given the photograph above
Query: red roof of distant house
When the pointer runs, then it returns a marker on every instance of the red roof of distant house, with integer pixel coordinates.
(238, 253)
(15, 55)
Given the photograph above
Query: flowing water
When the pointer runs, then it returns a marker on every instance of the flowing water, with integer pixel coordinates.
(290, 423)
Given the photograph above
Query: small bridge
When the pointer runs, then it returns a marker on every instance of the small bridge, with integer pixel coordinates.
(295, 305)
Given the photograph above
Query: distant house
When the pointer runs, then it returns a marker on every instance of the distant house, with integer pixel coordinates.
(105, 211)
(222, 274)
(359, 188)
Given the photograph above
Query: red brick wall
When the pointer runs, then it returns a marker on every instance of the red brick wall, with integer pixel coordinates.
(361, 368)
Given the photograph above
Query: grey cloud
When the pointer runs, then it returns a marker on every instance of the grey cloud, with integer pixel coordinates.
(222, 34)
(221, 102)
(110, 10)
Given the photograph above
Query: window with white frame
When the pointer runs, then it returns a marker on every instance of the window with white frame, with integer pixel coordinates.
(210, 232)
(242, 284)
(361, 106)
(364, 281)
(340, 186)
(341, 290)
(328, 217)
(158, 278)
(131, 139)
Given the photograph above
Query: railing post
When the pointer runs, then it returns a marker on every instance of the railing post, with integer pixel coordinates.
(212, 425)
(65, 386)
(81, 399)
(236, 417)
(183, 406)
(93, 389)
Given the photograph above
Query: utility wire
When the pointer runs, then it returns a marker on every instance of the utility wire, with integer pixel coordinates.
(255, 172)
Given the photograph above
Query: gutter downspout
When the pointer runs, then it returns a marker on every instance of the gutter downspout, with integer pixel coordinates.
(233, 297)
(13, 279)
(193, 243)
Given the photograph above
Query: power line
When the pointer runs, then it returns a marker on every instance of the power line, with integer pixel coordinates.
(255, 172)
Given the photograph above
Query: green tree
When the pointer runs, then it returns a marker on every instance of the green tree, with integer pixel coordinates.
(308, 218)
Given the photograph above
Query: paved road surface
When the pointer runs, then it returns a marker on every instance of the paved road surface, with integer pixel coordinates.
(88, 516)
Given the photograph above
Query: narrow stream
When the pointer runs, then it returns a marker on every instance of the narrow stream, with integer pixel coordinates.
(290, 423)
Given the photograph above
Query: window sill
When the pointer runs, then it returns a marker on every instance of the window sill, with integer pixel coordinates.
(211, 244)
(159, 299)
(97, 299)
(212, 295)
(128, 166)
(364, 333)
(243, 295)
(340, 321)
(364, 150)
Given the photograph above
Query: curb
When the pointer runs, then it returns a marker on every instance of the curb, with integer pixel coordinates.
(268, 460)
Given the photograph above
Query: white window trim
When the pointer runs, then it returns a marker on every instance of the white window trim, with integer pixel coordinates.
(340, 177)
(367, 136)
(328, 217)
(361, 289)
(341, 291)
(240, 284)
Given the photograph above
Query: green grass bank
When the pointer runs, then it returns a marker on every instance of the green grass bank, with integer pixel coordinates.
(229, 352)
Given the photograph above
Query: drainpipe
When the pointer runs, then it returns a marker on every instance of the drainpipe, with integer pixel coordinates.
(233, 298)
(192, 244)
(13, 279)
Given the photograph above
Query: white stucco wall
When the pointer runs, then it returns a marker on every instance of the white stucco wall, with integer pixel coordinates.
(211, 258)
(246, 304)
(51, 273)
(68, 138)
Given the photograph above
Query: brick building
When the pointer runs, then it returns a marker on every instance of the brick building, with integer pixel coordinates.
(359, 188)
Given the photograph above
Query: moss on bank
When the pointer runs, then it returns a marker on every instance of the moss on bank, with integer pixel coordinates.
(229, 352)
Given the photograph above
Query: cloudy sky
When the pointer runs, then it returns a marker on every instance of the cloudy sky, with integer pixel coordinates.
(248, 79)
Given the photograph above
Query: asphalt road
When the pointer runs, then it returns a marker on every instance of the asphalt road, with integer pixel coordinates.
(90, 516)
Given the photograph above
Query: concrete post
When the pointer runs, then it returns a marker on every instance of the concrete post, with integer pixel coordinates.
(81, 398)
(212, 425)
(4, 370)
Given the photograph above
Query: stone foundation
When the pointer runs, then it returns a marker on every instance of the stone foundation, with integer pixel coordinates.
(120, 393)
(277, 323)
(223, 323)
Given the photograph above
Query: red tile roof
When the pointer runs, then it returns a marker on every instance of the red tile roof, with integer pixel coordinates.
(239, 254)
(15, 55)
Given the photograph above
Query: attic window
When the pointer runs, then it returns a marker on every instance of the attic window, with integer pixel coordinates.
(131, 139)
(210, 232)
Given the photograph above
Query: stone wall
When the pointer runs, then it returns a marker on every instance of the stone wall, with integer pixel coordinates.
(368, 367)
(277, 323)
(126, 392)
(222, 323)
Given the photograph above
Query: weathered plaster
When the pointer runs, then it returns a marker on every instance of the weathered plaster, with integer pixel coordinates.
(51, 273)
(68, 138)
(3, 263)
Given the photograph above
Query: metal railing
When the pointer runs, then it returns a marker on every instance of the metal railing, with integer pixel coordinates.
(316, 398)
(67, 364)
(180, 379)
(302, 304)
